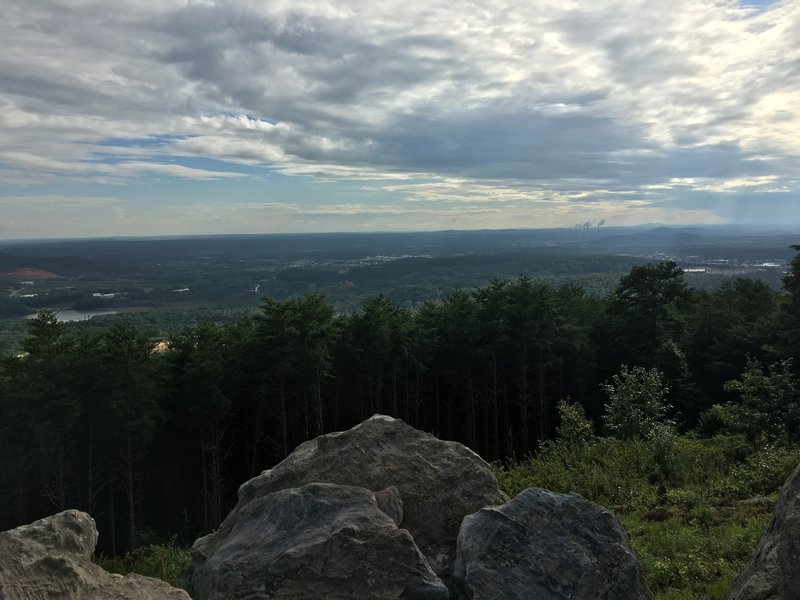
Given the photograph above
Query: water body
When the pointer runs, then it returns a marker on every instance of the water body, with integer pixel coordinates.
(67, 315)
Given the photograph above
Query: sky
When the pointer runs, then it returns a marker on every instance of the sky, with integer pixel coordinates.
(159, 117)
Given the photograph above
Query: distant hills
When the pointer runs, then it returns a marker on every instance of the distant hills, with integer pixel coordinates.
(355, 245)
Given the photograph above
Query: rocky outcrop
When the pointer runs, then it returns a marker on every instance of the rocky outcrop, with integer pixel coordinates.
(51, 558)
(439, 482)
(320, 540)
(377, 512)
(774, 570)
(546, 546)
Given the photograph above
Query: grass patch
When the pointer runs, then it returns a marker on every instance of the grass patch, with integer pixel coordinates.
(162, 561)
(694, 524)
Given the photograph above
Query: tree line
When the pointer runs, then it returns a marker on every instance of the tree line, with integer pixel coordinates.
(154, 440)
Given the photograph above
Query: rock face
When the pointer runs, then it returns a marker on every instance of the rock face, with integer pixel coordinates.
(377, 511)
(439, 482)
(546, 546)
(320, 540)
(51, 558)
(774, 570)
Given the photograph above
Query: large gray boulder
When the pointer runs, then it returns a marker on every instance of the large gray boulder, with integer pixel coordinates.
(52, 558)
(439, 482)
(317, 541)
(773, 572)
(546, 546)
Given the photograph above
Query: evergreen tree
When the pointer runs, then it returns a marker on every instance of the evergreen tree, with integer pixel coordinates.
(647, 309)
(790, 313)
(200, 385)
(47, 407)
(127, 387)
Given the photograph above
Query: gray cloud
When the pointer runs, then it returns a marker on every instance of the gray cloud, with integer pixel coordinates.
(622, 96)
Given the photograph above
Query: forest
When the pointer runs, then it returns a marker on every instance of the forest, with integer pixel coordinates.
(153, 436)
(217, 275)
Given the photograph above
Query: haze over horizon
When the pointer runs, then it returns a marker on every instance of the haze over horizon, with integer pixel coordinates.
(145, 117)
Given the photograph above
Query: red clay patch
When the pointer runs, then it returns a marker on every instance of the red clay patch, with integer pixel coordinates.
(30, 274)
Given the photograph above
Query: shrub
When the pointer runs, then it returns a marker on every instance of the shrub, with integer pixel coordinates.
(574, 428)
(611, 472)
(637, 407)
(162, 561)
(763, 473)
(769, 406)
(692, 532)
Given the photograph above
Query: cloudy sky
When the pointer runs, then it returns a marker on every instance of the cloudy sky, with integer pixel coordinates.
(150, 117)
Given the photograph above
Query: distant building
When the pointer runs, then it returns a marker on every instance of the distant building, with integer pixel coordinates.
(159, 348)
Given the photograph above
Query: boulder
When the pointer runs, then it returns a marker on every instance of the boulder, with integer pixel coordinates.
(439, 482)
(546, 546)
(52, 558)
(316, 541)
(773, 572)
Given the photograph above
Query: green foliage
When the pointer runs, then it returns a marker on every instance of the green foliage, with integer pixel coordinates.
(12, 307)
(45, 331)
(694, 554)
(296, 337)
(790, 310)
(769, 405)
(647, 310)
(202, 403)
(637, 407)
(693, 533)
(162, 561)
(92, 417)
(760, 475)
(734, 321)
(41, 411)
(612, 472)
(574, 428)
